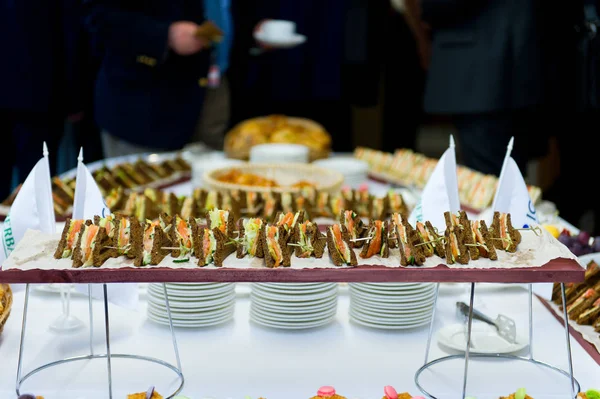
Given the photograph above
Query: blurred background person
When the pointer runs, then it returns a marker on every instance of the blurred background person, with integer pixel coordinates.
(216, 110)
(151, 82)
(337, 67)
(486, 71)
(406, 58)
(36, 91)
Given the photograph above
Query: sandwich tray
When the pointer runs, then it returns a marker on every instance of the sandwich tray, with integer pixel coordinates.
(556, 270)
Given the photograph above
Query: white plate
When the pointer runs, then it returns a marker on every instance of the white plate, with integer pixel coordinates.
(407, 291)
(392, 299)
(361, 322)
(394, 286)
(256, 297)
(198, 316)
(192, 324)
(189, 302)
(484, 339)
(294, 326)
(297, 290)
(278, 308)
(192, 294)
(295, 298)
(412, 311)
(288, 42)
(300, 317)
(392, 306)
(191, 307)
(386, 320)
(191, 286)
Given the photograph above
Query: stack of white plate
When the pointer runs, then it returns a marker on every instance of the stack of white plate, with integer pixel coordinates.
(279, 153)
(391, 305)
(293, 306)
(192, 305)
(355, 171)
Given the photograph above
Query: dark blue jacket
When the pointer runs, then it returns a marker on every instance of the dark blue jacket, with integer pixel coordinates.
(34, 36)
(145, 93)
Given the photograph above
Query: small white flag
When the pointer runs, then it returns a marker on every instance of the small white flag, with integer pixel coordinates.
(32, 208)
(440, 193)
(512, 195)
(87, 204)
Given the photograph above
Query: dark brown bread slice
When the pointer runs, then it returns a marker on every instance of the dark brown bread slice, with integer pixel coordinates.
(333, 252)
(597, 325)
(487, 238)
(62, 243)
(240, 249)
(173, 204)
(448, 247)
(438, 245)
(468, 238)
(416, 249)
(136, 239)
(424, 241)
(380, 208)
(77, 253)
(592, 272)
(101, 253)
(199, 245)
(401, 247)
(590, 315)
(319, 241)
(582, 303)
(360, 230)
(225, 247)
(285, 251)
(271, 205)
(367, 243)
(161, 241)
(199, 196)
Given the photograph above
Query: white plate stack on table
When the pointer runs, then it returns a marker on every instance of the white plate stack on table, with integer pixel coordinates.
(391, 306)
(293, 306)
(192, 305)
(279, 153)
(355, 171)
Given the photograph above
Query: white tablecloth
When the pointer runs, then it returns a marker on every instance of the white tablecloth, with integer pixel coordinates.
(241, 359)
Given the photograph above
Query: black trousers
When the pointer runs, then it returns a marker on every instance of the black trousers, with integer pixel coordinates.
(483, 138)
(22, 136)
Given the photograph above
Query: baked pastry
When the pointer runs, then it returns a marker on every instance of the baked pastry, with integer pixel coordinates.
(589, 394)
(327, 392)
(277, 129)
(519, 394)
(149, 394)
(390, 393)
(5, 304)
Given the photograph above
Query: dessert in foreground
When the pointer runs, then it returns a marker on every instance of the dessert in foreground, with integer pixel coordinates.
(521, 393)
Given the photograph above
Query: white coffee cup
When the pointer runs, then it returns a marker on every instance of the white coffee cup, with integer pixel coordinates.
(278, 29)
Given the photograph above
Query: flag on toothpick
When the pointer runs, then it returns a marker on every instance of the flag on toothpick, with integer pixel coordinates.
(512, 195)
(87, 204)
(440, 193)
(32, 208)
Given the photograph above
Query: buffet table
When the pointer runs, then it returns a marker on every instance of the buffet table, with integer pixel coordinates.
(241, 359)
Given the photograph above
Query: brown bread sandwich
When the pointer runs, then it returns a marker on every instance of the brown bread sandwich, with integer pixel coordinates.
(338, 244)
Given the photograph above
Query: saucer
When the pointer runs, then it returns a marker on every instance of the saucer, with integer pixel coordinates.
(280, 42)
(484, 339)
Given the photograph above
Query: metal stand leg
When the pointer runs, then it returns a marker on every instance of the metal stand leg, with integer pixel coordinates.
(22, 344)
(91, 308)
(568, 339)
(430, 335)
(108, 357)
(530, 321)
(468, 348)
(173, 338)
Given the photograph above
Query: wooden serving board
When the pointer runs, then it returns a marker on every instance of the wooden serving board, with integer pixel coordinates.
(557, 270)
